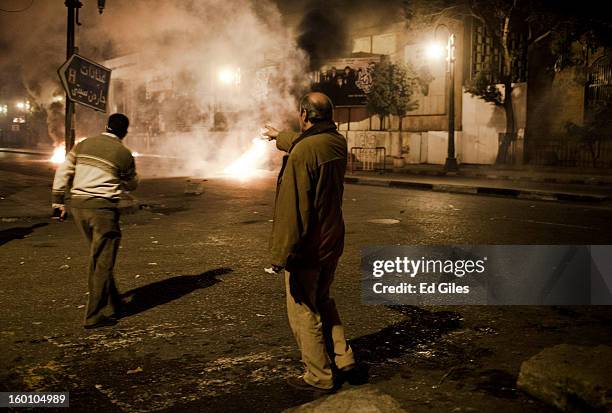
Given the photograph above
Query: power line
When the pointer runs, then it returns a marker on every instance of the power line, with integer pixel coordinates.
(19, 10)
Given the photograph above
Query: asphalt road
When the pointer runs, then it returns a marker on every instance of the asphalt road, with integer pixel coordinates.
(209, 331)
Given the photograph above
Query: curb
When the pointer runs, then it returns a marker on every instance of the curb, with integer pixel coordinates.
(572, 180)
(517, 193)
(26, 151)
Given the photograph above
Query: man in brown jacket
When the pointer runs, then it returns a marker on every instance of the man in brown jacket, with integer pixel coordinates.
(308, 238)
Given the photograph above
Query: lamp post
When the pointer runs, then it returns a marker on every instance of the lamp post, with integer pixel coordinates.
(450, 165)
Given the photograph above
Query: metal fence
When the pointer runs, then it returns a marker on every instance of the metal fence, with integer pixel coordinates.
(569, 153)
(367, 159)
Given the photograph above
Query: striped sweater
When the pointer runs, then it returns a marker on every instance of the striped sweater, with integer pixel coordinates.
(97, 170)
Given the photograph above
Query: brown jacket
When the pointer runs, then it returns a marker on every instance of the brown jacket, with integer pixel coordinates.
(308, 226)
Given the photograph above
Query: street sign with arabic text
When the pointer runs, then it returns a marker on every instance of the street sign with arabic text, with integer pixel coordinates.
(85, 82)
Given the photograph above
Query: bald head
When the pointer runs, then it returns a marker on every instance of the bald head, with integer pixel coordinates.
(318, 107)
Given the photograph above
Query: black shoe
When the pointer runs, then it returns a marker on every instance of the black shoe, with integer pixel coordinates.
(355, 374)
(103, 322)
(123, 308)
(300, 384)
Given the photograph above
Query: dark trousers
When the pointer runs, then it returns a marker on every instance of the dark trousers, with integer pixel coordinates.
(101, 229)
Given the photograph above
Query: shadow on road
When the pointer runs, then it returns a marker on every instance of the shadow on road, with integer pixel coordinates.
(271, 397)
(379, 351)
(18, 233)
(161, 292)
(421, 327)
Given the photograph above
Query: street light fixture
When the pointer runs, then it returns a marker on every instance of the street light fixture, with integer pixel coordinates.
(23, 105)
(229, 76)
(435, 51)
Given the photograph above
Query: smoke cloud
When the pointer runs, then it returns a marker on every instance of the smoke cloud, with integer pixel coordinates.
(325, 28)
(202, 76)
(322, 34)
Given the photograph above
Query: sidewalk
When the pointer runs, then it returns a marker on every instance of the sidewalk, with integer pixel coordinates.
(540, 189)
(523, 173)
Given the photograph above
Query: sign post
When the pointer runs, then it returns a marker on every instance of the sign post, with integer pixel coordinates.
(73, 7)
(85, 82)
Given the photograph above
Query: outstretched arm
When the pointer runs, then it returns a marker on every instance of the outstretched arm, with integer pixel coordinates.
(283, 139)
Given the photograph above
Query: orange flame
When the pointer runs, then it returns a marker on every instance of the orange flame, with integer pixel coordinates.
(59, 154)
(247, 166)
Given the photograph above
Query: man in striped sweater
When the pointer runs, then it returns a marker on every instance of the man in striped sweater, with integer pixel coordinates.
(97, 171)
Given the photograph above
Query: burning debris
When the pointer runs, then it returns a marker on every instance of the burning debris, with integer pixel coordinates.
(250, 163)
(59, 154)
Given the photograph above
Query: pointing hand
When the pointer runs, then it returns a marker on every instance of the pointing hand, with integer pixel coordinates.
(270, 132)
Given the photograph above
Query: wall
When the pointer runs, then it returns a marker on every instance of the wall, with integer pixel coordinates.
(414, 147)
(477, 143)
(482, 123)
(409, 48)
(555, 98)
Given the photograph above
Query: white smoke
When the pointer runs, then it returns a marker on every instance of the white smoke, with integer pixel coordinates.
(183, 42)
(213, 53)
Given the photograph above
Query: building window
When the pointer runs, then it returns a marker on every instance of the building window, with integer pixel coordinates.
(487, 55)
(362, 44)
(599, 86)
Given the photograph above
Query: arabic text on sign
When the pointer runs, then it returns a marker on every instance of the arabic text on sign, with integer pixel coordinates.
(91, 96)
(94, 73)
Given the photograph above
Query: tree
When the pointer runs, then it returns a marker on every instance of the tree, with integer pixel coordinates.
(513, 26)
(569, 24)
(390, 92)
(504, 23)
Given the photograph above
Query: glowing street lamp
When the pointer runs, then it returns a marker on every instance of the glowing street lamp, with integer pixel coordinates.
(436, 51)
(226, 76)
(25, 106)
(228, 83)
(229, 76)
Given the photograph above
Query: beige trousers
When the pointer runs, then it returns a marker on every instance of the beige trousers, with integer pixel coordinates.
(316, 325)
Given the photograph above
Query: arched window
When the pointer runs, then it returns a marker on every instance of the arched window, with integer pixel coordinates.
(599, 85)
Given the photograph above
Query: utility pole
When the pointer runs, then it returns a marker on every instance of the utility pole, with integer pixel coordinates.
(70, 119)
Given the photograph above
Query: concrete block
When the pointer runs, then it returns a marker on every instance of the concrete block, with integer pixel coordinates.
(571, 378)
(365, 399)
